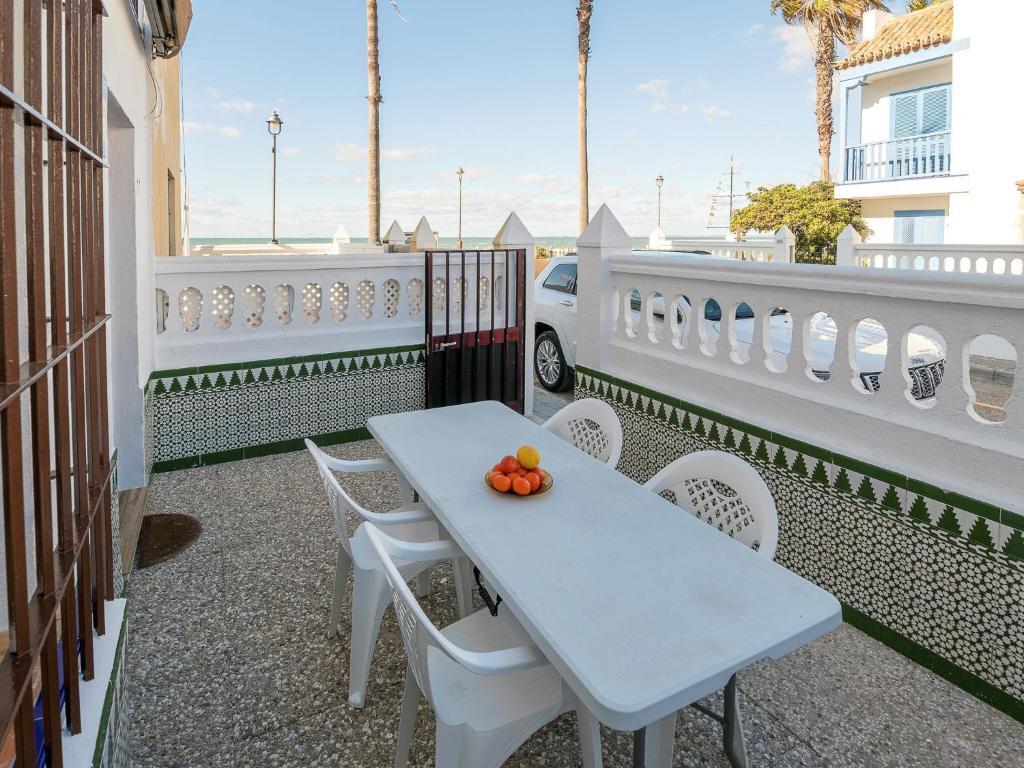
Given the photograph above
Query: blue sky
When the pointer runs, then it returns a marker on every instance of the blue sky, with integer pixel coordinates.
(675, 87)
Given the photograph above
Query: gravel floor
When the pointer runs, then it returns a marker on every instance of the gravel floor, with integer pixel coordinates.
(229, 664)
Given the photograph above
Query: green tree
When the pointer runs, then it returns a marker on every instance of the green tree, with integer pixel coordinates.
(826, 21)
(813, 213)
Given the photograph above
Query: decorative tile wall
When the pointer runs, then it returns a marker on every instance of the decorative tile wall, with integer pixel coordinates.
(222, 413)
(937, 575)
(112, 748)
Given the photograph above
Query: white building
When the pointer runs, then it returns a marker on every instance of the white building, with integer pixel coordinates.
(927, 116)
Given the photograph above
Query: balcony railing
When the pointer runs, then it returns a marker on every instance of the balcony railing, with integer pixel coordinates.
(908, 158)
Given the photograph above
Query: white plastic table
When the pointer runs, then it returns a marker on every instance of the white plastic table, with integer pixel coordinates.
(641, 607)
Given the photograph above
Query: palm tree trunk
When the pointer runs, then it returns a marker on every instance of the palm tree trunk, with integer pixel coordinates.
(373, 100)
(583, 13)
(824, 60)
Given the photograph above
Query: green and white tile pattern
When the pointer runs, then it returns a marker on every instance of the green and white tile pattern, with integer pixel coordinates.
(222, 413)
(937, 575)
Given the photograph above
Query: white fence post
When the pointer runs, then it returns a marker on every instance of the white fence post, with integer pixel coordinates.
(845, 250)
(603, 238)
(423, 237)
(785, 246)
(513, 235)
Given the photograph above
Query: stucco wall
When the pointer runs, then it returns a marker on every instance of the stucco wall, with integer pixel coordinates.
(878, 213)
(167, 233)
(129, 238)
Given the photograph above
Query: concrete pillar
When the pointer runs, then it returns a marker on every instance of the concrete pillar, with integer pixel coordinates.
(785, 246)
(603, 238)
(513, 235)
(845, 252)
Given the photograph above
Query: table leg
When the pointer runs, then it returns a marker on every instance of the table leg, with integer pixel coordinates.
(732, 727)
(659, 742)
(639, 748)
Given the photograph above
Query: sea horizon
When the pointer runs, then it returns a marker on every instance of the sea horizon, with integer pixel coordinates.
(549, 241)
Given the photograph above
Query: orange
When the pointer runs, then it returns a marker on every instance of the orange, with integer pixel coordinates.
(496, 468)
(534, 480)
(521, 486)
(509, 464)
(501, 482)
(528, 457)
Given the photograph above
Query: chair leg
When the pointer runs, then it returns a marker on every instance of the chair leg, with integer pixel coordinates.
(732, 729)
(369, 600)
(341, 569)
(660, 741)
(423, 584)
(590, 737)
(463, 570)
(407, 722)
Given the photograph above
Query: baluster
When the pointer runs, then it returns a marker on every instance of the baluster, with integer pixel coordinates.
(891, 381)
(951, 396)
(760, 339)
(842, 365)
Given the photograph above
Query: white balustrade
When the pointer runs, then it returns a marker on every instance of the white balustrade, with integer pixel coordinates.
(910, 157)
(213, 310)
(872, 415)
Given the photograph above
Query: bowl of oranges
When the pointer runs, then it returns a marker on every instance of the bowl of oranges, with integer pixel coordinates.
(519, 475)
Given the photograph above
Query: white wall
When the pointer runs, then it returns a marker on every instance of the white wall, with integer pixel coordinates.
(987, 117)
(129, 235)
(876, 113)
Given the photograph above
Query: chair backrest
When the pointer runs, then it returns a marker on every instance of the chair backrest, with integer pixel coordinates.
(337, 497)
(725, 492)
(419, 633)
(592, 426)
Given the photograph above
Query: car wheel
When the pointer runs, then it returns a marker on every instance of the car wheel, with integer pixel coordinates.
(549, 363)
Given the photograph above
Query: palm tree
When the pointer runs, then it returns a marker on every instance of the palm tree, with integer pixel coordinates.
(583, 14)
(826, 21)
(920, 5)
(373, 100)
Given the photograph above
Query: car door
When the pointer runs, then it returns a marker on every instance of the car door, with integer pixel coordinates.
(556, 306)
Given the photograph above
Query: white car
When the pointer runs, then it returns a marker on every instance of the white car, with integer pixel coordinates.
(554, 355)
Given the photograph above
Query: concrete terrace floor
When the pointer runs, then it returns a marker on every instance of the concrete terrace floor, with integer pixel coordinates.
(229, 664)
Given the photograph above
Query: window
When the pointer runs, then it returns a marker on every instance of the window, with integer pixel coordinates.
(921, 111)
(920, 227)
(562, 278)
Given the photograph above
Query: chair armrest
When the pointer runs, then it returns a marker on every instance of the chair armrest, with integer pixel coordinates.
(499, 662)
(359, 465)
(417, 512)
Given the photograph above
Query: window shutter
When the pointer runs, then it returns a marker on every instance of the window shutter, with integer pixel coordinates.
(935, 110)
(904, 115)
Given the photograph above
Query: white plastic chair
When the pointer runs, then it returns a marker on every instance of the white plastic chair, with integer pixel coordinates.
(412, 522)
(592, 426)
(695, 483)
(727, 493)
(489, 686)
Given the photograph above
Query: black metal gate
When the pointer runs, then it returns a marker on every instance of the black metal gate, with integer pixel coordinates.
(475, 327)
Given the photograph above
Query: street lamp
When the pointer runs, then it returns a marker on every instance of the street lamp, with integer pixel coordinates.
(659, 181)
(460, 173)
(274, 123)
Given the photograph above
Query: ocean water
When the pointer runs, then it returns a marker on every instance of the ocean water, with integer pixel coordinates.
(558, 241)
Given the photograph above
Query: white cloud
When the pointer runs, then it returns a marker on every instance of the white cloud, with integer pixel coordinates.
(684, 109)
(291, 151)
(405, 153)
(714, 112)
(235, 105)
(796, 47)
(227, 131)
(469, 171)
(350, 153)
(657, 106)
(548, 183)
(753, 29)
(212, 92)
(656, 87)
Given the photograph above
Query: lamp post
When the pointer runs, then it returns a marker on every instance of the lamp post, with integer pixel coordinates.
(458, 241)
(274, 123)
(659, 181)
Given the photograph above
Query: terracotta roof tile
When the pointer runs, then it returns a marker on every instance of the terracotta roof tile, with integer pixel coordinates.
(904, 34)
